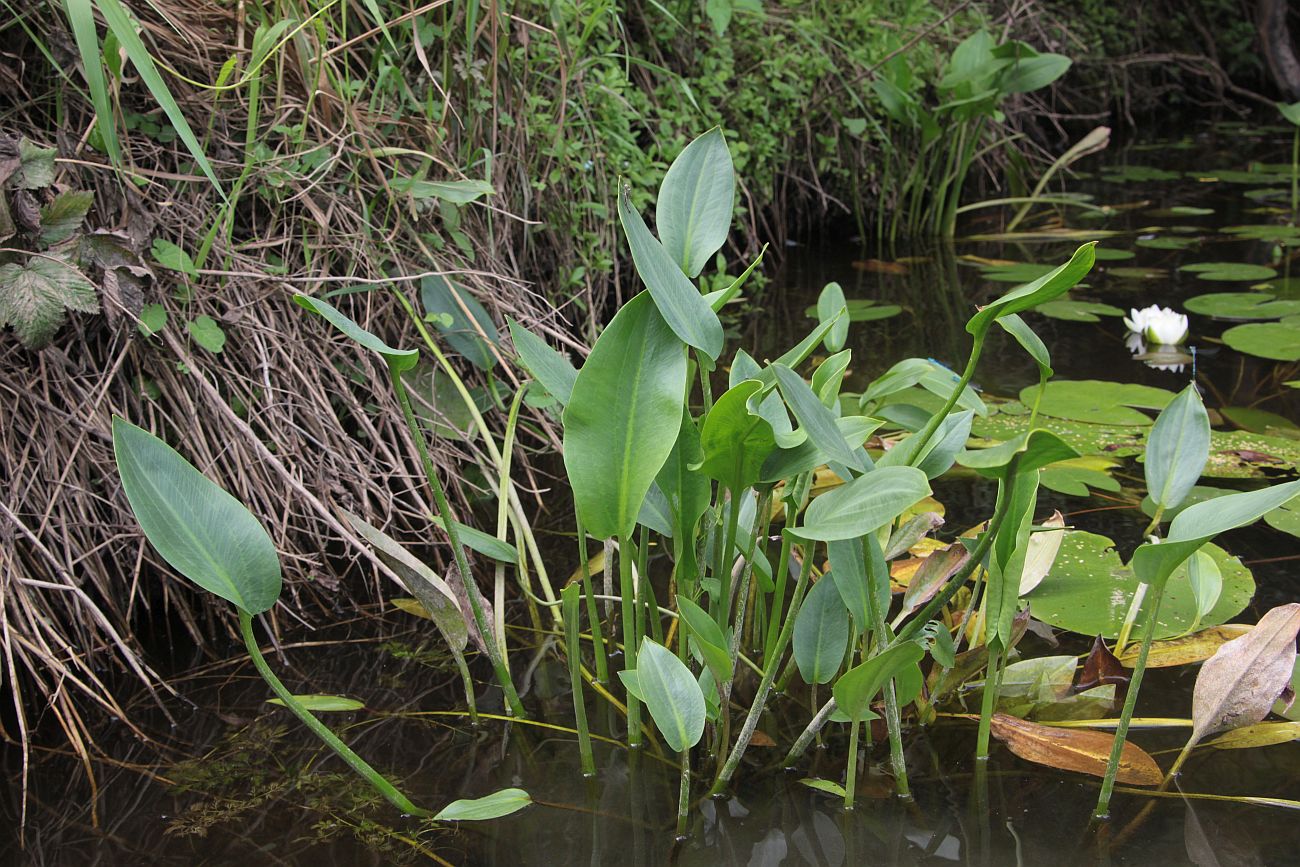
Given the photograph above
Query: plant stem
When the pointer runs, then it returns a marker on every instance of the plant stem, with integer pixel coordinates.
(851, 772)
(992, 679)
(457, 549)
(573, 652)
(684, 795)
(318, 728)
(1102, 810)
(593, 616)
(893, 716)
(770, 667)
(631, 640)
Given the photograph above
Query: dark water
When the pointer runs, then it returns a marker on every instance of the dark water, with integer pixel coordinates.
(261, 793)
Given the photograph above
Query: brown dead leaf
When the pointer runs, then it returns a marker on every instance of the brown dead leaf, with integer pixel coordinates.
(931, 575)
(761, 740)
(1238, 685)
(1253, 457)
(879, 266)
(1078, 750)
(1197, 647)
(1101, 668)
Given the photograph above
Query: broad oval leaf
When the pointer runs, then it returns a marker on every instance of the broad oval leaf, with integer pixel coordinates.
(492, 806)
(734, 441)
(672, 695)
(832, 307)
(693, 212)
(623, 417)
(1177, 448)
(681, 304)
(858, 686)
(200, 530)
(1238, 685)
(821, 632)
(399, 360)
(863, 505)
(708, 638)
(460, 319)
(1045, 288)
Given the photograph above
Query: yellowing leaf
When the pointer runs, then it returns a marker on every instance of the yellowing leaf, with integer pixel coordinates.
(1238, 685)
(1197, 647)
(1259, 735)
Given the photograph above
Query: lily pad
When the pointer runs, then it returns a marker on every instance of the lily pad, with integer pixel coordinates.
(1265, 232)
(1137, 272)
(1237, 176)
(1229, 271)
(1265, 340)
(1081, 311)
(1112, 440)
(1111, 254)
(1097, 401)
(1136, 174)
(1242, 305)
(1164, 242)
(1256, 420)
(1285, 517)
(1090, 590)
(1240, 454)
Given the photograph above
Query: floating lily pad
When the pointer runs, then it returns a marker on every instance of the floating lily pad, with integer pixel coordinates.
(1098, 402)
(1240, 454)
(1112, 440)
(1081, 311)
(863, 310)
(1110, 254)
(1074, 477)
(1164, 242)
(1138, 272)
(1229, 271)
(1136, 174)
(1242, 305)
(1237, 176)
(1090, 590)
(1256, 420)
(1265, 340)
(1017, 272)
(1285, 517)
(1265, 232)
(1182, 211)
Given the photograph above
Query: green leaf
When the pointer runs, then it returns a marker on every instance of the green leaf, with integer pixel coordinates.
(708, 638)
(821, 632)
(1097, 401)
(455, 192)
(849, 572)
(815, 418)
(35, 296)
(1241, 305)
(1290, 111)
(1230, 271)
(734, 441)
(1177, 449)
(1030, 342)
(81, 15)
(1045, 288)
(826, 786)
(863, 505)
(858, 686)
(207, 333)
(398, 360)
(1037, 448)
(679, 302)
(1041, 689)
(548, 366)
(460, 319)
(831, 307)
(1200, 523)
(61, 218)
(1072, 310)
(35, 167)
(123, 27)
(1089, 591)
(687, 491)
(198, 528)
(492, 806)
(1007, 562)
(477, 540)
(672, 695)
(173, 258)
(153, 318)
(623, 417)
(788, 463)
(1265, 340)
(694, 208)
(323, 703)
(1206, 581)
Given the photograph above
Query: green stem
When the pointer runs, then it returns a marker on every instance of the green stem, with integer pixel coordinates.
(318, 728)
(992, 678)
(457, 549)
(893, 715)
(770, 667)
(851, 772)
(573, 651)
(631, 639)
(684, 795)
(922, 438)
(1130, 703)
(593, 616)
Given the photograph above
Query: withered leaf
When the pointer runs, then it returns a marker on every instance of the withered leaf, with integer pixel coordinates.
(1259, 735)
(932, 575)
(1101, 668)
(1197, 647)
(1077, 750)
(1238, 685)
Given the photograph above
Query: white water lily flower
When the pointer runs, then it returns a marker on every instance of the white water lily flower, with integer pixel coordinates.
(1160, 325)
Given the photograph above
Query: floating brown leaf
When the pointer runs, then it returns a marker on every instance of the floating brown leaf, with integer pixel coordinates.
(1197, 647)
(1238, 685)
(1101, 668)
(1084, 752)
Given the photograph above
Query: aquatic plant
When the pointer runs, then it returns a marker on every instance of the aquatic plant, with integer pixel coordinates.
(1160, 325)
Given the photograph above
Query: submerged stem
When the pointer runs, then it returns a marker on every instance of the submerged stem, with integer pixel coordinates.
(318, 728)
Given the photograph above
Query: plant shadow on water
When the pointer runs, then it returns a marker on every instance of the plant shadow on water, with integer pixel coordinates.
(245, 784)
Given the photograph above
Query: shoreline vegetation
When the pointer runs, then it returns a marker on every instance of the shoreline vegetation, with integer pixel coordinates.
(450, 174)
